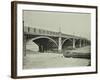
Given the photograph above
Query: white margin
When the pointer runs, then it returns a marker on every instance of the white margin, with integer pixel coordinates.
(21, 72)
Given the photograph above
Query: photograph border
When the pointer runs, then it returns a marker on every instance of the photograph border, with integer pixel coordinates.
(14, 37)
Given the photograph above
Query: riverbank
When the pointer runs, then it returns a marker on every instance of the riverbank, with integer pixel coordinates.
(51, 60)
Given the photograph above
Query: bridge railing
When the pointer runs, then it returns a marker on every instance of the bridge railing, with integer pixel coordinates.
(36, 31)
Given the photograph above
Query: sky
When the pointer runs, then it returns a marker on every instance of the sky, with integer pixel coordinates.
(78, 24)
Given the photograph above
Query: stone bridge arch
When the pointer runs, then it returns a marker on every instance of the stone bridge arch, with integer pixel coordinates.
(45, 43)
(68, 42)
(76, 43)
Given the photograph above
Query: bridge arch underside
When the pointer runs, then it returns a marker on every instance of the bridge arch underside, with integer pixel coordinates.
(67, 44)
(71, 43)
(46, 44)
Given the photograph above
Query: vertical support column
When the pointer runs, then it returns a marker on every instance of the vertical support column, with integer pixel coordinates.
(86, 43)
(41, 49)
(83, 43)
(59, 41)
(74, 43)
(59, 45)
(80, 44)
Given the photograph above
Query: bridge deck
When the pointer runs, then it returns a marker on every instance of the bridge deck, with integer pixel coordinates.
(35, 31)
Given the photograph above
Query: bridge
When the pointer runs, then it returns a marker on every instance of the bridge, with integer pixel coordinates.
(52, 41)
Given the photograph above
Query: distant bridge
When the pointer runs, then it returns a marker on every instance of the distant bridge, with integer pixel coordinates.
(53, 41)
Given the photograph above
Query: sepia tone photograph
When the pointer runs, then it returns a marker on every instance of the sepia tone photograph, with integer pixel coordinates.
(53, 39)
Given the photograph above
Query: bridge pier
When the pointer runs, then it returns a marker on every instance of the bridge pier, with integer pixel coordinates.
(84, 43)
(59, 45)
(74, 44)
(80, 44)
(41, 49)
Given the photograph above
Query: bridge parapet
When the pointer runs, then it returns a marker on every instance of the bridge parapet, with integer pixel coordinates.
(36, 31)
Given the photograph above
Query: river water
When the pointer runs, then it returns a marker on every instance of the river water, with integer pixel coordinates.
(51, 60)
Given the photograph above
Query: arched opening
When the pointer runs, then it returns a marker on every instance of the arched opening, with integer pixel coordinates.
(45, 44)
(78, 43)
(67, 44)
(82, 43)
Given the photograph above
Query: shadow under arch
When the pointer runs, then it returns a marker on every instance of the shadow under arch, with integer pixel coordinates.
(67, 44)
(45, 43)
